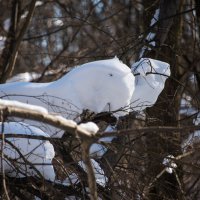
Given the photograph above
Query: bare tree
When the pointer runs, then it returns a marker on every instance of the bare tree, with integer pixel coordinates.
(50, 37)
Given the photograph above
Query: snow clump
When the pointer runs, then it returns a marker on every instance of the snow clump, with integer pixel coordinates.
(25, 156)
(149, 82)
(90, 127)
(169, 163)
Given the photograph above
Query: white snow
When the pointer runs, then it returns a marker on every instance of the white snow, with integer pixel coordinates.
(58, 22)
(111, 85)
(38, 3)
(24, 77)
(90, 127)
(186, 107)
(23, 106)
(2, 42)
(71, 179)
(98, 172)
(62, 119)
(169, 163)
(6, 24)
(193, 137)
(98, 150)
(150, 38)
(148, 86)
(38, 152)
(101, 179)
(197, 120)
(99, 86)
(155, 17)
(24, 15)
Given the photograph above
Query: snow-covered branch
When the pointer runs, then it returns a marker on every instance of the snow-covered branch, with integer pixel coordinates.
(38, 113)
(17, 109)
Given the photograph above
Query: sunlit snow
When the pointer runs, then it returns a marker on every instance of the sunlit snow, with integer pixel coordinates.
(24, 77)
(35, 154)
(170, 164)
(192, 137)
(21, 105)
(99, 86)
(98, 150)
(98, 172)
(149, 82)
(91, 127)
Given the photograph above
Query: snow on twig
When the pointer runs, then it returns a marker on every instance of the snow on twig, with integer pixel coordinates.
(37, 113)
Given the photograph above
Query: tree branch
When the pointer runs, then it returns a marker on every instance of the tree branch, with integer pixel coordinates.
(8, 69)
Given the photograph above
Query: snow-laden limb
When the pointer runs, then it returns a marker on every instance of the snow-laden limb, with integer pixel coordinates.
(21, 110)
(27, 155)
(169, 163)
(18, 104)
(149, 82)
(62, 123)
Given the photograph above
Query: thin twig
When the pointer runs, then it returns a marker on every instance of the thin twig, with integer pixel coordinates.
(2, 160)
(180, 185)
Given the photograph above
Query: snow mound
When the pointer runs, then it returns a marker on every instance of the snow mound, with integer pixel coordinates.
(91, 127)
(105, 85)
(99, 86)
(149, 82)
(28, 155)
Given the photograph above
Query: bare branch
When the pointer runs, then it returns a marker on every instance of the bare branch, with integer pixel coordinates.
(10, 65)
(2, 163)
(90, 172)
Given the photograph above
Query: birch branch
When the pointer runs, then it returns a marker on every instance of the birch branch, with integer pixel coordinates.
(59, 122)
